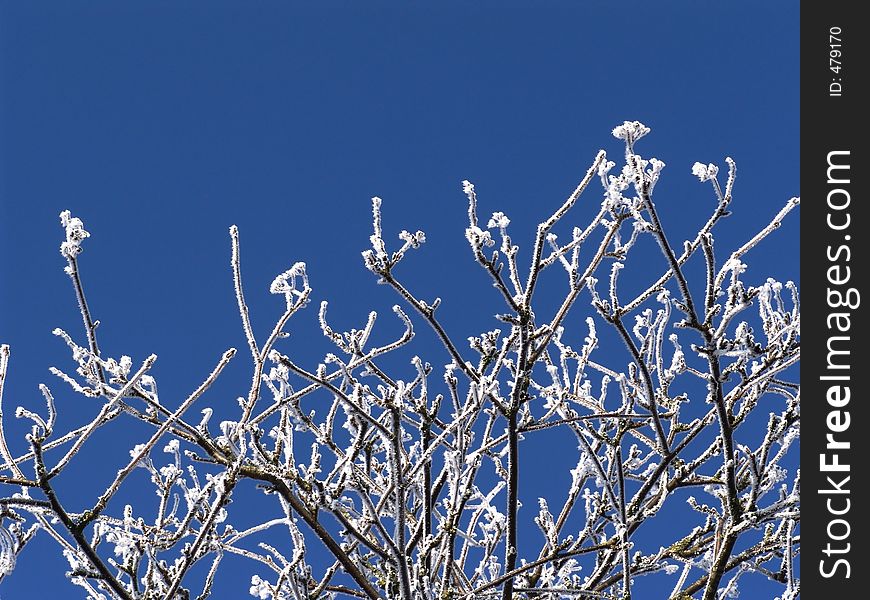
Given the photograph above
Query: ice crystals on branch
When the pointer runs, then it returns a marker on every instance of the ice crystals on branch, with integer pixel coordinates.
(75, 233)
(8, 551)
(545, 522)
(630, 131)
(499, 220)
(468, 190)
(260, 588)
(705, 172)
(477, 237)
(293, 283)
(412, 240)
(614, 186)
(377, 260)
(145, 461)
(653, 173)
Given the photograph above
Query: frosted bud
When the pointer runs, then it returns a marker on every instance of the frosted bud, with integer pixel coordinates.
(705, 172)
(75, 233)
(499, 219)
(630, 131)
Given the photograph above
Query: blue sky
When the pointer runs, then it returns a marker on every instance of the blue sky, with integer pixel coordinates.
(160, 124)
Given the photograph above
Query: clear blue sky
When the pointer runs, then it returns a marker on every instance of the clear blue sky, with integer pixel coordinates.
(162, 123)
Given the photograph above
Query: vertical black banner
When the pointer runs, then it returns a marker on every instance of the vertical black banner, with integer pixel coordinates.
(834, 272)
